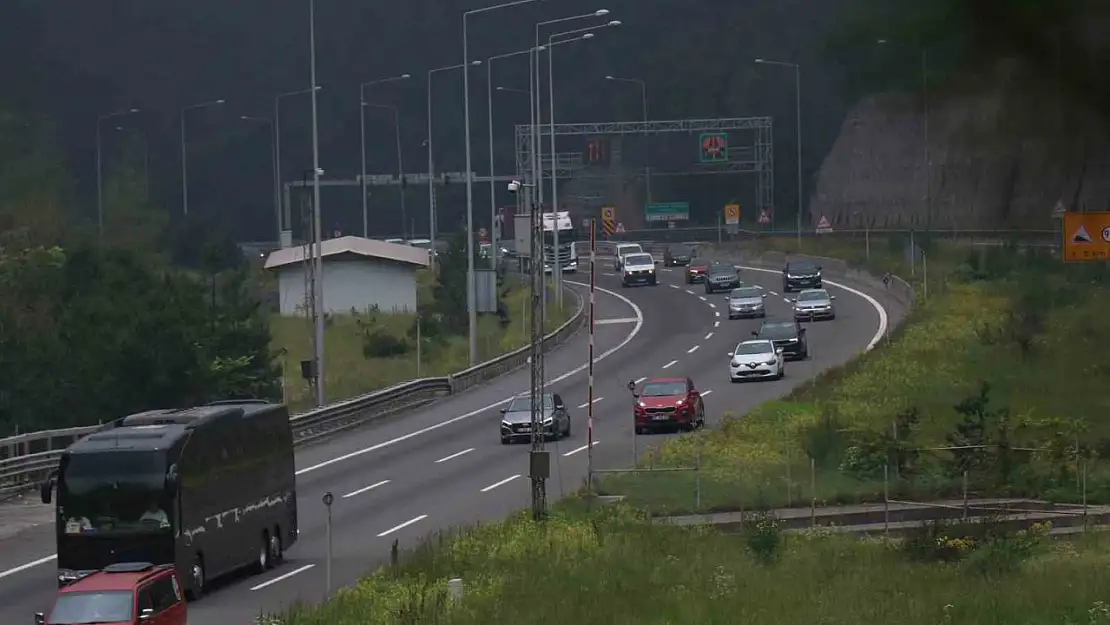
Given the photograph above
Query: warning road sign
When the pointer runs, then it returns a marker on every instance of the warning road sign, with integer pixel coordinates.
(607, 213)
(1079, 244)
(1059, 210)
(764, 217)
(732, 214)
(823, 226)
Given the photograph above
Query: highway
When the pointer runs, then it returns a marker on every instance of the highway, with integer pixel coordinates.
(444, 465)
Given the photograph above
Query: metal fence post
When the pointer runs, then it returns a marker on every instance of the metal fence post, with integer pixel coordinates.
(813, 492)
(697, 481)
(965, 494)
(1084, 494)
(886, 499)
(328, 499)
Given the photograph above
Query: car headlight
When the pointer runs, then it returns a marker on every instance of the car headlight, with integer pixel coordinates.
(506, 424)
(771, 362)
(641, 404)
(548, 420)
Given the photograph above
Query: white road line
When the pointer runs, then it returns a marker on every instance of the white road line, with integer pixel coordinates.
(716, 324)
(582, 448)
(442, 424)
(609, 274)
(605, 322)
(455, 455)
(708, 336)
(787, 300)
(402, 526)
(702, 298)
(712, 305)
(29, 565)
(501, 483)
(596, 399)
(772, 293)
(693, 349)
(283, 577)
(717, 314)
(370, 487)
(707, 392)
(674, 286)
(691, 292)
(670, 364)
(638, 380)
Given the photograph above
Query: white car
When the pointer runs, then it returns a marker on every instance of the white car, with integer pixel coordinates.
(756, 359)
(624, 249)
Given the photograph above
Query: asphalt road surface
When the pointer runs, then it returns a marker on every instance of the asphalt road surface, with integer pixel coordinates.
(444, 465)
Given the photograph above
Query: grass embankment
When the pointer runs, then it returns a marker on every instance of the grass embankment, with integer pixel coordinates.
(350, 372)
(612, 568)
(1032, 329)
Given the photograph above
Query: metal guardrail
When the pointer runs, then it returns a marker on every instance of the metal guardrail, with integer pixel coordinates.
(26, 459)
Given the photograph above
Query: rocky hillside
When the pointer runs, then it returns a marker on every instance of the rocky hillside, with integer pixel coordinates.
(1001, 158)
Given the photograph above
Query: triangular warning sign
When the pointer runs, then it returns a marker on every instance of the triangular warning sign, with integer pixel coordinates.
(1081, 236)
(823, 222)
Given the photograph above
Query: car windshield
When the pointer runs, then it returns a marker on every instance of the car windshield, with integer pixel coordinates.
(524, 404)
(801, 268)
(754, 347)
(747, 292)
(721, 269)
(637, 260)
(625, 250)
(114, 492)
(778, 331)
(679, 250)
(812, 296)
(663, 389)
(105, 606)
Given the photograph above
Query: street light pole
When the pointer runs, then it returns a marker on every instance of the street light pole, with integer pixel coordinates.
(472, 312)
(400, 162)
(287, 221)
(431, 158)
(184, 166)
(317, 210)
(644, 107)
(798, 129)
(362, 145)
(100, 172)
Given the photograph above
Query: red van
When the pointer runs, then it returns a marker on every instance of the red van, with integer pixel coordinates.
(128, 593)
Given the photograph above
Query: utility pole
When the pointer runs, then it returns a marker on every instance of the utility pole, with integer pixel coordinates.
(539, 459)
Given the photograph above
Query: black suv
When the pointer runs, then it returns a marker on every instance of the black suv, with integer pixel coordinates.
(678, 255)
(721, 277)
(801, 274)
(787, 335)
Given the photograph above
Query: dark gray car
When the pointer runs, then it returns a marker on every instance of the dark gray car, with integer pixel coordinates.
(721, 277)
(516, 418)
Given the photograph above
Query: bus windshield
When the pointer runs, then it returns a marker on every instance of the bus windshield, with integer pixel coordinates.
(114, 492)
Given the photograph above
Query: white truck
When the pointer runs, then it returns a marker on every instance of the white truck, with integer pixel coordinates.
(566, 254)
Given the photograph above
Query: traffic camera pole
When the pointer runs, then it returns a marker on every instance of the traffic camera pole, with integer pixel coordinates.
(539, 460)
(590, 393)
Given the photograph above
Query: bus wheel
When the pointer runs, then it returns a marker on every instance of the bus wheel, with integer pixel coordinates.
(276, 551)
(196, 572)
(263, 563)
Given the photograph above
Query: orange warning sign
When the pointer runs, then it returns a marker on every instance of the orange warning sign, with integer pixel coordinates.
(1086, 237)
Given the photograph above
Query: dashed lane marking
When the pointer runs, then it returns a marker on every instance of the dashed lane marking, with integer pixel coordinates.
(670, 364)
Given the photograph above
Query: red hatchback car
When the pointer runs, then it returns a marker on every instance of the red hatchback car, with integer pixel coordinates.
(128, 593)
(667, 403)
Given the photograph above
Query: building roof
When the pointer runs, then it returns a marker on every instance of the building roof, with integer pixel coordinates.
(358, 246)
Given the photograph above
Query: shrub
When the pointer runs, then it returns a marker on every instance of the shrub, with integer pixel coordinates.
(763, 537)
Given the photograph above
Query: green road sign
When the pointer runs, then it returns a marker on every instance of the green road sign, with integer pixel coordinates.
(667, 211)
(714, 147)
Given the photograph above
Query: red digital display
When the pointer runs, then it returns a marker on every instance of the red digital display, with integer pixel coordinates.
(597, 152)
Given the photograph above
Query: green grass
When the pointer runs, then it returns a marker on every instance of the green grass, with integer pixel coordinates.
(349, 373)
(612, 568)
(1057, 395)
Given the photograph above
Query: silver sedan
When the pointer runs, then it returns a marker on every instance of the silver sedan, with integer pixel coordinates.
(814, 304)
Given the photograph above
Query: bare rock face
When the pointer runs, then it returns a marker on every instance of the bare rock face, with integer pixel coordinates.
(997, 157)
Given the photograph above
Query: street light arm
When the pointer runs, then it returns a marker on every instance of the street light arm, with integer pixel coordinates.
(497, 6)
(551, 37)
(782, 63)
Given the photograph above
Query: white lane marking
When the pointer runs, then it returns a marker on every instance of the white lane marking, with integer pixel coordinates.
(712, 305)
(596, 399)
(716, 324)
(638, 380)
(501, 483)
(693, 349)
(884, 321)
(454, 455)
(670, 364)
(402, 526)
(771, 292)
(24, 567)
(674, 286)
(609, 274)
(708, 336)
(787, 300)
(605, 322)
(431, 428)
(582, 448)
(284, 577)
(716, 314)
(691, 292)
(702, 298)
(707, 392)
(366, 488)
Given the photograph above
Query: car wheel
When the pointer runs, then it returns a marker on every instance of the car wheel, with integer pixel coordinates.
(196, 579)
(277, 551)
(262, 562)
(505, 440)
(566, 433)
(782, 373)
(639, 430)
(733, 380)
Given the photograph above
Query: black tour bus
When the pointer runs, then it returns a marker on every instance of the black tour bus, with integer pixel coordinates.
(210, 489)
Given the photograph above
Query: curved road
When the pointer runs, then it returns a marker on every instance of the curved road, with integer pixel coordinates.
(443, 466)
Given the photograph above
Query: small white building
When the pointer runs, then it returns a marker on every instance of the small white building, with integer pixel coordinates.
(359, 274)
